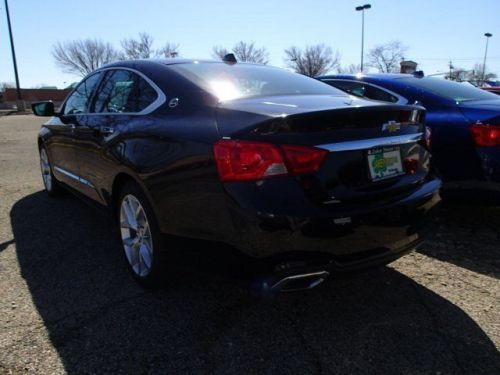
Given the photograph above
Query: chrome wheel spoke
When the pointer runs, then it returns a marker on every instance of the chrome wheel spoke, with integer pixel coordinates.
(129, 213)
(124, 225)
(45, 168)
(136, 235)
(129, 242)
(145, 255)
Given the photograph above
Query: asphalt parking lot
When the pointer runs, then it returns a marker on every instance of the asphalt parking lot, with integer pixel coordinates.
(68, 305)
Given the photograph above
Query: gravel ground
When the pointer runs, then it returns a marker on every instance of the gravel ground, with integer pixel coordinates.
(68, 305)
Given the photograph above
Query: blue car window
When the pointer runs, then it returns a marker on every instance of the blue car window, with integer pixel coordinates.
(458, 92)
(364, 90)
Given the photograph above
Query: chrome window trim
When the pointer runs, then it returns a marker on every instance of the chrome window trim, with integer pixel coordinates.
(401, 99)
(74, 176)
(364, 144)
(160, 100)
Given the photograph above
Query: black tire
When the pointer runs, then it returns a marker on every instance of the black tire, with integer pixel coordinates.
(157, 271)
(52, 186)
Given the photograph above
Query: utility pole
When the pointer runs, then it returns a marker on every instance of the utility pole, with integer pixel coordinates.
(488, 36)
(20, 104)
(362, 9)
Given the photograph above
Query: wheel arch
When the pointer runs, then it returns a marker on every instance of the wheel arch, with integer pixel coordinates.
(119, 181)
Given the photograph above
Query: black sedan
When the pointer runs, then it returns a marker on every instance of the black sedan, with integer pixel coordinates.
(286, 168)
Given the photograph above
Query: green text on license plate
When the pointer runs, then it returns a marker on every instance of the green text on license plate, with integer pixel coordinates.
(384, 163)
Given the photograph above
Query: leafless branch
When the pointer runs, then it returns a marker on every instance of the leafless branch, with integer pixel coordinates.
(313, 61)
(168, 50)
(244, 51)
(387, 57)
(141, 48)
(83, 56)
(349, 69)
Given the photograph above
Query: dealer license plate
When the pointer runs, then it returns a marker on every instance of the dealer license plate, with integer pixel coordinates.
(384, 163)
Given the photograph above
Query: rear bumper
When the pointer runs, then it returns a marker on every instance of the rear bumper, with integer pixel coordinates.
(345, 240)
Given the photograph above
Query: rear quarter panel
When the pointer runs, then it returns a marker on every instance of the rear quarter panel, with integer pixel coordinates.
(172, 158)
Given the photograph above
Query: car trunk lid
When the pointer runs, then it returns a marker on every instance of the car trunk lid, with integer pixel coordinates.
(375, 151)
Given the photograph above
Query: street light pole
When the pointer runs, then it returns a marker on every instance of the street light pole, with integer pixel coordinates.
(488, 36)
(362, 9)
(19, 97)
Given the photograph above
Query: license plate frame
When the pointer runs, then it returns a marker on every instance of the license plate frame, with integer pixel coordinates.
(384, 163)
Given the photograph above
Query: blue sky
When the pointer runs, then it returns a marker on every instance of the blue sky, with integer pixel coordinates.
(434, 30)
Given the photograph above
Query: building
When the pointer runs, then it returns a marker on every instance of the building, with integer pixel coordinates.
(408, 66)
(9, 96)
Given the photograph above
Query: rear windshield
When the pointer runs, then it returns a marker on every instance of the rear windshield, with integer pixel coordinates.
(227, 81)
(458, 92)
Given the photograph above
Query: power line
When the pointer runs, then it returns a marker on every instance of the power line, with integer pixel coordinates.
(455, 59)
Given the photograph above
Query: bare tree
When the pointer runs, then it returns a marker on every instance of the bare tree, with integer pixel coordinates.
(3, 86)
(457, 74)
(349, 69)
(244, 51)
(386, 57)
(476, 75)
(248, 52)
(141, 48)
(313, 61)
(83, 56)
(6, 85)
(168, 50)
(219, 52)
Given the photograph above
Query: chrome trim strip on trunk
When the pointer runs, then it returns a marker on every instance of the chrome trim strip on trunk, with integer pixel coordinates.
(363, 144)
(74, 176)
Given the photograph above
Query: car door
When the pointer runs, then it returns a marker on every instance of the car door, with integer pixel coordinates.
(123, 99)
(61, 146)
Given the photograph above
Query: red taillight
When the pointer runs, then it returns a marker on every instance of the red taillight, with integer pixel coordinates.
(302, 160)
(411, 166)
(485, 135)
(248, 160)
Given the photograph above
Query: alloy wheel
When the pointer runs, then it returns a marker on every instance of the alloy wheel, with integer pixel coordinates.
(46, 172)
(136, 235)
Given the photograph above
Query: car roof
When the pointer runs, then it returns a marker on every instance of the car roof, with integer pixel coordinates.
(360, 76)
(165, 61)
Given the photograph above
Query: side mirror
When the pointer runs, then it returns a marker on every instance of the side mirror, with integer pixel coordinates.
(43, 108)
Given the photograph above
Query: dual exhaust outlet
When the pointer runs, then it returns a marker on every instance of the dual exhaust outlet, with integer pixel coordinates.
(298, 282)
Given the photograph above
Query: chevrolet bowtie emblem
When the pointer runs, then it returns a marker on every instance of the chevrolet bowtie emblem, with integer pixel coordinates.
(391, 126)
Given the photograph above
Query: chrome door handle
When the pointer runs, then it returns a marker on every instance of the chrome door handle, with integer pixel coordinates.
(106, 130)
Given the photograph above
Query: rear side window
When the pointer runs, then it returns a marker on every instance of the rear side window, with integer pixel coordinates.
(123, 91)
(79, 99)
(458, 92)
(364, 90)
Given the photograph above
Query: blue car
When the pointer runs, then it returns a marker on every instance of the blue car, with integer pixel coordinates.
(464, 120)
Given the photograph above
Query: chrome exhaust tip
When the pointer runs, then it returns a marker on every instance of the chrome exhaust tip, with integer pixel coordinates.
(300, 281)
